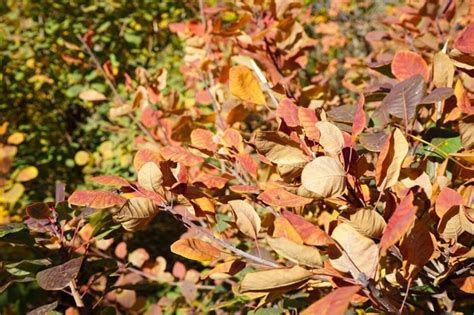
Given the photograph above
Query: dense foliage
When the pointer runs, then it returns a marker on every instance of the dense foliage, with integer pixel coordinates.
(260, 157)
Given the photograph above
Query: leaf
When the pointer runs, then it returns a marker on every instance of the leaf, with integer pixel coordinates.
(308, 120)
(248, 164)
(279, 197)
(437, 95)
(58, 277)
(373, 141)
(136, 213)
(466, 128)
(465, 41)
(10, 228)
(110, 180)
(288, 111)
(211, 181)
(92, 96)
(144, 156)
(447, 198)
(225, 270)
(450, 226)
(26, 174)
(81, 158)
(406, 64)
(281, 150)
(324, 176)
(443, 70)
(244, 85)
(96, 199)
(367, 222)
(330, 138)
(283, 228)
(403, 98)
(335, 303)
(360, 120)
(233, 139)
(195, 249)
(150, 176)
(271, 279)
(360, 252)
(390, 160)
(38, 210)
(444, 146)
(247, 219)
(44, 309)
(466, 217)
(181, 155)
(465, 284)
(311, 234)
(399, 223)
(14, 194)
(299, 254)
(16, 138)
(203, 139)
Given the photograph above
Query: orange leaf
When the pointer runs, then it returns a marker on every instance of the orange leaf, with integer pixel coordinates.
(406, 64)
(211, 181)
(335, 303)
(248, 164)
(203, 139)
(96, 199)
(283, 228)
(109, 180)
(465, 41)
(447, 199)
(279, 197)
(233, 139)
(288, 111)
(465, 284)
(195, 249)
(181, 155)
(390, 160)
(308, 120)
(310, 233)
(399, 223)
(144, 156)
(244, 85)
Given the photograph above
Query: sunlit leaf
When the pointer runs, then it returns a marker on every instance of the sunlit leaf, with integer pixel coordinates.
(335, 303)
(279, 197)
(135, 214)
(96, 199)
(247, 219)
(26, 174)
(404, 97)
(244, 85)
(297, 253)
(330, 138)
(406, 64)
(324, 176)
(195, 249)
(390, 160)
(274, 278)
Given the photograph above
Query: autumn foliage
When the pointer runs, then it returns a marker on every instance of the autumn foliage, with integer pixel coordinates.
(298, 192)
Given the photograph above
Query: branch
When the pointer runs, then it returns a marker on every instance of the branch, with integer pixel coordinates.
(75, 294)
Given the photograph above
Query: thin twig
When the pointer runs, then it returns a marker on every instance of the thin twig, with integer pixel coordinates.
(75, 294)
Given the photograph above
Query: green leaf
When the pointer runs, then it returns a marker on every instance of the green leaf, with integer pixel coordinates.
(444, 147)
(9, 228)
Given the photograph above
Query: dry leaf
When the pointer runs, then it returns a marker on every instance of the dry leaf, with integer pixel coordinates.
(150, 176)
(244, 85)
(136, 213)
(443, 70)
(279, 197)
(367, 222)
(92, 96)
(195, 249)
(299, 254)
(97, 199)
(330, 138)
(335, 303)
(310, 233)
(247, 219)
(406, 64)
(271, 279)
(324, 176)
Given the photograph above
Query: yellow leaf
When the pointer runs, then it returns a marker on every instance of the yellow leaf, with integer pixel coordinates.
(27, 173)
(324, 176)
(247, 218)
(300, 254)
(244, 85)
(81, 158)
(195, 249)
(13, 194)
(16, 138)
(274, 278)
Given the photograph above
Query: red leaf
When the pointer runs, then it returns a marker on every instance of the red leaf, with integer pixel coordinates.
(109, 180)
(96, 199)
(144, 156)
(447, 199)
(310, 233)
(203, 139)
(279, 197)
(360, 121)
(399, 223)
(465, 41)
(211, 181)
(335, 303)
(248, 164)
(288, 111)
(406, 64)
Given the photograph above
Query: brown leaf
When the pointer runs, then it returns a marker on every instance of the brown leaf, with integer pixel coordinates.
(283, 228)
(297, 253)
(310, 233)
(195, 249)
(404, 97)
(466, 217)
(225, 270)
(276, 278)
(367, 222)
(92, 96)
(406, 64)
(44, 309)
(233, 139)
(281, 150)
(399, 223)
(443, 70)
(247, 219)
(150, 176)
(360, 120)
(244, 85)
(58, 277)
(330, 138)
(360, 252)
(447, 198)
(324, 176)
(279, 197)
(390, 160)
(96, 199)
(136, 213)
(373, 141)
(335, 303)
(308, 120)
